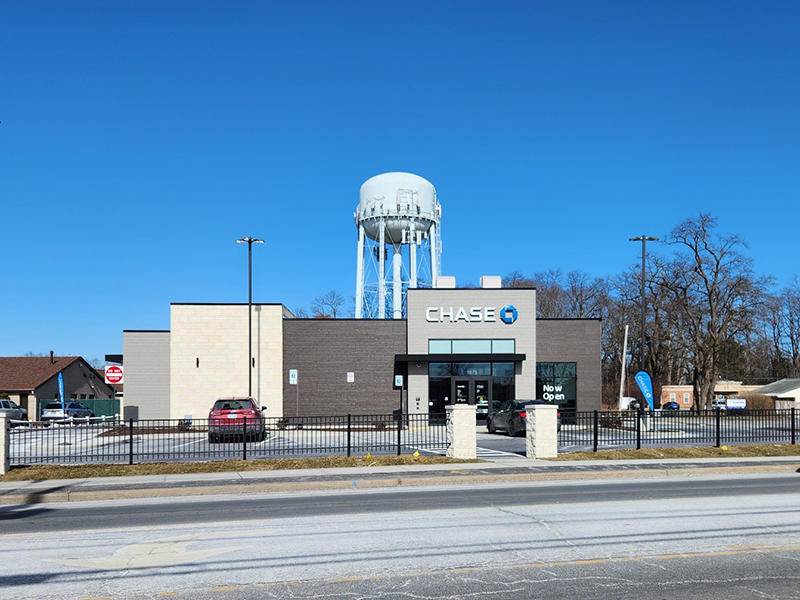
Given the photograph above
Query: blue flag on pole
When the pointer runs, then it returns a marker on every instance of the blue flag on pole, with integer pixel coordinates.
(646, 385)
(61, 393)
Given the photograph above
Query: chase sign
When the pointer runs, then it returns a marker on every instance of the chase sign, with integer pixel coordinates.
(475, 314)
(508, 314)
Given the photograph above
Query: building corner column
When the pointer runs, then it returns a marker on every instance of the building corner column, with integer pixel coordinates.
(462, 439)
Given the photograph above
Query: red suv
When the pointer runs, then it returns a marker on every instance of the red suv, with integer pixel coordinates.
(227, 418)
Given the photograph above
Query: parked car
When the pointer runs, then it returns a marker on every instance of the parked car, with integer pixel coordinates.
(719, 403)
(670, 406)
(227, 418)
(13, 410)
(56, 411)
(510, 417)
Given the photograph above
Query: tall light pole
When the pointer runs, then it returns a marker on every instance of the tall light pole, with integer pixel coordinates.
(249, 241)
(644, 239)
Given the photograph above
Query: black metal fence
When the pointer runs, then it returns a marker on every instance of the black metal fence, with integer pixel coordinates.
(595, 430)
(173, 440)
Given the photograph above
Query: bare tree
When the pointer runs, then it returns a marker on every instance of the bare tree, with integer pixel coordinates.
(717, 292)
(327, 306)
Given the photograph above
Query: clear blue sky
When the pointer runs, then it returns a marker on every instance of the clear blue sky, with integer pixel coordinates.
(140, 139)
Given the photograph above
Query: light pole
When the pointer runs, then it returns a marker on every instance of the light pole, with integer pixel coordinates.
(644, 239)
(249, 241)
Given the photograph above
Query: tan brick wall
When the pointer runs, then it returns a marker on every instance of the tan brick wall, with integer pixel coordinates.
(208, 356)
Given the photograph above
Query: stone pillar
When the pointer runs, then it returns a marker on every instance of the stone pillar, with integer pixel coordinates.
(5, 444)
(541, 431)
(33, 408)
(462, 439)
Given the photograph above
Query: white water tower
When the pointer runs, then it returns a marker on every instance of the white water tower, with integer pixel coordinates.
(398, 220)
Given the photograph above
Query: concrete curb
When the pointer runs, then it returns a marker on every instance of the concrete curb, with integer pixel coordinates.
(86, 490)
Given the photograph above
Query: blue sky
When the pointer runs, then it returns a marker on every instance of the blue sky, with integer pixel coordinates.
(140, 139)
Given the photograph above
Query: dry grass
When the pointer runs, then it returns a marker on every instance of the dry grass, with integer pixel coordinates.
(702, 452)
(43, 472)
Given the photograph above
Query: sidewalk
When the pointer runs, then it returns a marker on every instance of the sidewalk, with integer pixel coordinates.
(495, 471)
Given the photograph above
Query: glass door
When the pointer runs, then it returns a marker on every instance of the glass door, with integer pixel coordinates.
(482, 398)
(461, 391)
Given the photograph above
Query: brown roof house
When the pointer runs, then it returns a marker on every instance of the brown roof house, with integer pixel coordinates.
(31, 381)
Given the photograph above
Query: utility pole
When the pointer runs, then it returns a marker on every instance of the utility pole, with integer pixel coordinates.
(644, 239)
(249, 241)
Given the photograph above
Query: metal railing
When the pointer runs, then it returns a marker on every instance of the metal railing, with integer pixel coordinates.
(173, 440)
(603, 430)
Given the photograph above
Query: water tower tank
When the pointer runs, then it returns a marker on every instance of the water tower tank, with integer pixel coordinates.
(397, 215)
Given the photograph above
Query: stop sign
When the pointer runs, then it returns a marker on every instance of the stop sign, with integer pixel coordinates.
(113, 374)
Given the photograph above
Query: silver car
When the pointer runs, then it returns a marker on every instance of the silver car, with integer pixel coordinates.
(13, 410)
(55, 411)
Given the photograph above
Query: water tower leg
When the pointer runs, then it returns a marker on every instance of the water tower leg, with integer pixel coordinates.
(382, 272)
(434, 250)
(412, 256)
(360, 275)
(397, 283)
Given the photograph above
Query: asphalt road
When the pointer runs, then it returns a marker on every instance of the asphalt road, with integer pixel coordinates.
(701, 537)
(177, 511)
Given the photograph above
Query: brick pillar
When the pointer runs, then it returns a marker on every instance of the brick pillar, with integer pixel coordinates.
(462, 438)
(5, 444)
(540, 431)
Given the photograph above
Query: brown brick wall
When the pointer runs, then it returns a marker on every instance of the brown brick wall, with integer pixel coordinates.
(324, 350)
(574, 340)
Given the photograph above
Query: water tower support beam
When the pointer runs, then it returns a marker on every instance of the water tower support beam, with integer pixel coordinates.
(434, 250)
(412, 254)
(397, 282)
(360, 274)
(382, 272)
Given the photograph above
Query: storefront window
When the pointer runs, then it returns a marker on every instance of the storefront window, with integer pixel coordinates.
(557, 383)
(472, 369)
(503, 347)
(472, 346)
(503, 369)
(440, 347)
(502, 390)
(438, 394)
(439, 369)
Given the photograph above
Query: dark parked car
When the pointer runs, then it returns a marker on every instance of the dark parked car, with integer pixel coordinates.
(227, 418)
(670, 406)
(510, 417)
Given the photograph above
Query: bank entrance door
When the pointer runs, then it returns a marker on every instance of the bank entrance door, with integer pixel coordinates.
(473, 390)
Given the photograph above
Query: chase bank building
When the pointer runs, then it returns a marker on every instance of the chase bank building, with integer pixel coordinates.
(479, 346)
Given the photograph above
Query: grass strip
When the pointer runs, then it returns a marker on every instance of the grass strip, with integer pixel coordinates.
(765, 450)
(43, 472)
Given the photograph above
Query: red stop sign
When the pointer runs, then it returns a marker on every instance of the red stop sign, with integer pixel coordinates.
(113, 374)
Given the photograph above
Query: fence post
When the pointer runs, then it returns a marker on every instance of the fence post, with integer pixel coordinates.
(595, 434)
(349, 429)
(5, 444)
(718, 420)
(793, 434)
(399, 430)
(244, 438)
(639, 429)
(130, 441)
